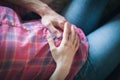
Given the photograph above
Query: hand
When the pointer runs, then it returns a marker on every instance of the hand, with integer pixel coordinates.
(64, 54)
(52, 20)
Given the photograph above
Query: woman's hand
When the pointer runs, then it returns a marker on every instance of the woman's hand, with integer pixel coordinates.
(64, 54)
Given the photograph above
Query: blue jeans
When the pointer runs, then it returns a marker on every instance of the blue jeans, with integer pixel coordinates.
(85, 13)
(104, 42)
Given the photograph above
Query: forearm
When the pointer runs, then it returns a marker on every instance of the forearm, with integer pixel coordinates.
(36, 6)
(60, 73)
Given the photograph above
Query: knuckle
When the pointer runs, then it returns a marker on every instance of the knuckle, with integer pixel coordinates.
(48, 24)
(62, 21)
(54, 31)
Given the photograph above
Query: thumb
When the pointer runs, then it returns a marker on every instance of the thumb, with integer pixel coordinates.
(51, 42)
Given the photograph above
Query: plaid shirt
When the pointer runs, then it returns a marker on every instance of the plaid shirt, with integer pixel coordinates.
(24, 50)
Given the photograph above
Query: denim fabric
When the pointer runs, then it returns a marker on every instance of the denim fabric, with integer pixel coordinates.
(87, 72)
(104, 52)
(85, 13)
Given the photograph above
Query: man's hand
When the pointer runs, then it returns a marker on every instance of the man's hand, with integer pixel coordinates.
(64, 54)
(52, 21)
(50, 18)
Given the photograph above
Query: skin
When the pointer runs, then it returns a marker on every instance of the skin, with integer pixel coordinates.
(63, 59)
(70, 41)
(46, 13)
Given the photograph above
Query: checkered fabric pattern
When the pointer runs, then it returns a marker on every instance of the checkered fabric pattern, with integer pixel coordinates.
(24, 50)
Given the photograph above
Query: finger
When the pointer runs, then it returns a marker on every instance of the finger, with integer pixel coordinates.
(73, 35)
(54, 30)
(75, 39)
(77, 43)
(61, 23)
(51, 42)
(66, 32)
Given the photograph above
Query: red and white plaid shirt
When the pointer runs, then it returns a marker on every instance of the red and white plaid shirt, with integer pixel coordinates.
(24, 50)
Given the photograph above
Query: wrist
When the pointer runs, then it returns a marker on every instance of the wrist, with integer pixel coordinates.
(65, 61)
(60, 73)
(64, 68)
(36, 6)
(39, 7)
